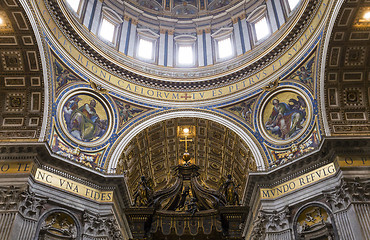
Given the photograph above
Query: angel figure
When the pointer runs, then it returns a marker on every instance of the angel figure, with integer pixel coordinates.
(192, 206)
(244, 109)
(304, 73)
(63, 75)
(229, 189)
(126, 111)
(143, 196)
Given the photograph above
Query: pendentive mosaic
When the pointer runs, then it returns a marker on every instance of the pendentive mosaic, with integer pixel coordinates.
(283, 116)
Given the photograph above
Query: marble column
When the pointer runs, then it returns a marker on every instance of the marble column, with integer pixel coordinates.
(170, 49)
(20, 211)
(162, 46)
(350, 203)
(238, 37)
(201, 50)
(123, 42)
(132, 39)
(244, 32)
(88, 16)
(96, 17)
(208, 43)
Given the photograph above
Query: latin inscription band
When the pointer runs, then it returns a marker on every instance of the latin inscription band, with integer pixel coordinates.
(72, 186)
(299, 182)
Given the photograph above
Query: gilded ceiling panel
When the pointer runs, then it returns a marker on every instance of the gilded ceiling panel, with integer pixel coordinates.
(21, 76)
(347, 71)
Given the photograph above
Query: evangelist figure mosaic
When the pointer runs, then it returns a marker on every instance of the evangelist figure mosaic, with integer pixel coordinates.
(285, 115)
(85, 117)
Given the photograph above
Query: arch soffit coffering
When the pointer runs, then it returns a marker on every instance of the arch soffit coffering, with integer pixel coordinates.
(36, 31)
(329, 31)
(242, 133)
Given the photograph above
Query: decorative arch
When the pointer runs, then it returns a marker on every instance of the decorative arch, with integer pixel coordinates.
(326, 224)
(42, 225)
(181, 114)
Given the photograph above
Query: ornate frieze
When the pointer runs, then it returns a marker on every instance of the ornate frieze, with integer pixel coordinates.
(270, 221)
(95, 225)
(240, 75)
(23, 199)
(298, 182)
(74, 187)
(349, 190)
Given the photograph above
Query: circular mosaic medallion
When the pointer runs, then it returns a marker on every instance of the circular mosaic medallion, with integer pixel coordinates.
(285, 115)
(85, 118)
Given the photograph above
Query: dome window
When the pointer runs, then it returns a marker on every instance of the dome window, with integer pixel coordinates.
(107, 30)
(109, 26)
(224, 48)
(145, 49)
(185, 54)
(292, 4)
(262, 29)
(259, 24)
(146, 45)
(223, 44)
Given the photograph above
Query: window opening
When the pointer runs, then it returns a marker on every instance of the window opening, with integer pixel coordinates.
(185, 55)
(262, 29)
(145, 50)
(107, 30)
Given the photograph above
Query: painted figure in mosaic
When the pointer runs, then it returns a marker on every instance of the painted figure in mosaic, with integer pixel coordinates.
(126, 112)
(144, 193)
(304, 73)
(63, 75)
(229, 189)
(286, 119)
(244, 109)
(83, 122)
